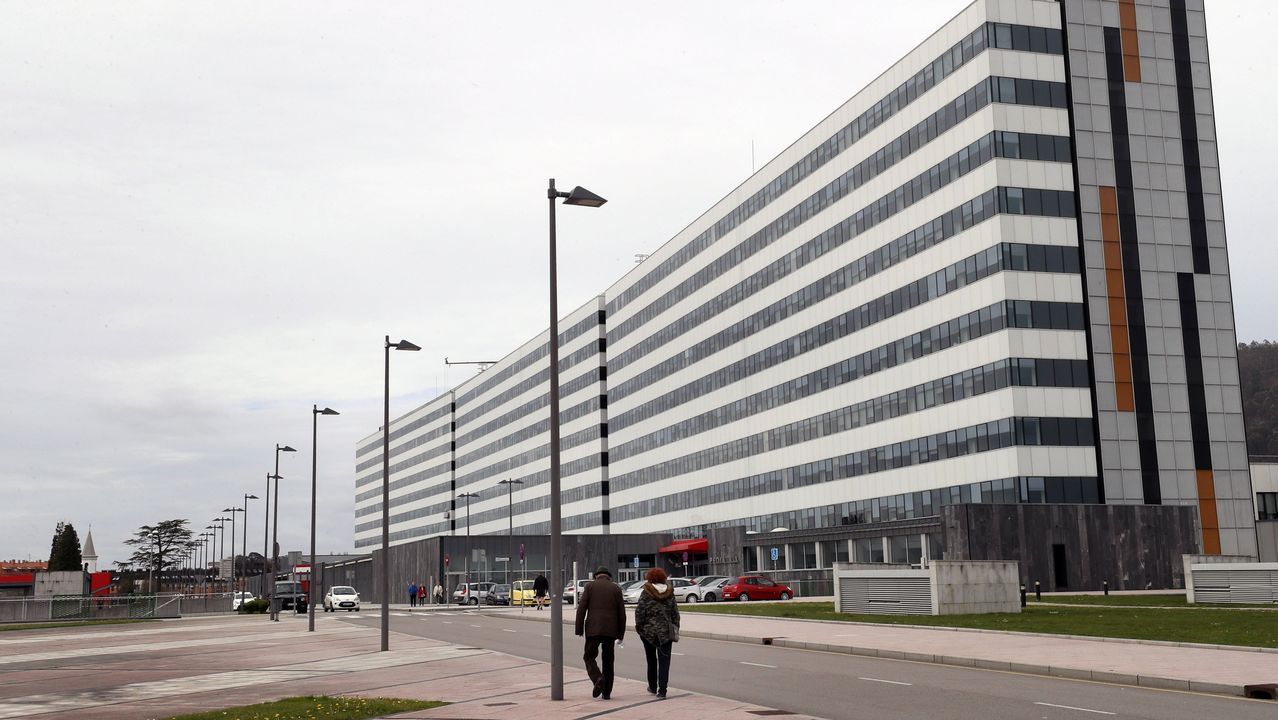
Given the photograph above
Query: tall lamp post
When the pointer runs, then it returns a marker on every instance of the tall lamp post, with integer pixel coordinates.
(585, 198)
(244, 547)
(468, 496)
(385, 588)
(234, 572)
(275, 530)
(310, 593)
(510, 514)
(221, 548)
(204, 559)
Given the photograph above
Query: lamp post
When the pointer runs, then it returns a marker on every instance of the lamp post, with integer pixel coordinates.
(468, 496)
(204, 558)
(275, 530)
(385, 589)
(234, 573)
(219, 541)
(310, 593)
(585, 198)
(510, 514)
(244, 547)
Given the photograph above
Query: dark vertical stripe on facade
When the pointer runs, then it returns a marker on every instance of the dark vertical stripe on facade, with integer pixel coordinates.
(1189, 136)
(1078, 217)
(1194, 371)
(1145, 438)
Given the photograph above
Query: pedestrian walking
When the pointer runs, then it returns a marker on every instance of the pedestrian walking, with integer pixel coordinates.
(657, 623)
(412, 594)
(421, 594)
(439, 594)
(601, 618)
(541, 589)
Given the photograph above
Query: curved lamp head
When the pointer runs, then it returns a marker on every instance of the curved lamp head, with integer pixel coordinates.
(285, 448)
(251, 497)
(325, 411)
(403, 345)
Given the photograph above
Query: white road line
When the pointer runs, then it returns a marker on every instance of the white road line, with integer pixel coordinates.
(890, 682)
(1071, 707)
(679, 654)
(474, 626)
(743, 662)
(508, 630)
(150, 647)
(545, 636)
(450, 622)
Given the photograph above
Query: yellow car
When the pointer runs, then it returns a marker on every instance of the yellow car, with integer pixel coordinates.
(521, 592)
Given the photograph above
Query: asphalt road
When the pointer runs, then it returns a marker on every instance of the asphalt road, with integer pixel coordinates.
(837, 685)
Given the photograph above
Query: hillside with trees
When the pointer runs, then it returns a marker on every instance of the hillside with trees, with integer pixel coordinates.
(1258, 375)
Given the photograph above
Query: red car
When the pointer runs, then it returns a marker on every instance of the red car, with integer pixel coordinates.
(755, 587)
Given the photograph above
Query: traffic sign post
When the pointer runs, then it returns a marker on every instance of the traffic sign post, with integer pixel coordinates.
(685, 563)
(775, 553)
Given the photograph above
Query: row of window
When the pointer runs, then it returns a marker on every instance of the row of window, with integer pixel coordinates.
(1002, 89)
(539, 428)
(1025, 314)
(983, 437)
(421, 422)
(506, 420)
(971, 383)
(1008, 37)
(1019, 372)
(499, 375)
(541, 378)
(907, 297)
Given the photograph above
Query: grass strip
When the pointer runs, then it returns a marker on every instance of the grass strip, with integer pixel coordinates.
(315, 707)
(1177, 600)
(78, 623)
(1211, 626)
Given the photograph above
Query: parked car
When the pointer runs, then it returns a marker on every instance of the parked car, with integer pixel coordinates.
(630, 593)
(755, 587)
(697, 593)
(713, 590)
(341, 597)
(522, 593)
(681, 586)
(239, 598)
(471, 593)
(290, 595)
(572, 591)
(498, 595)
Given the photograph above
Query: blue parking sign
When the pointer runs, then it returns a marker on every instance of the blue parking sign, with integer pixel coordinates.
(775, 554)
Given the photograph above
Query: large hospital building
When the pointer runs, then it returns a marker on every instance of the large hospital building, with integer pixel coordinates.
(982, 310)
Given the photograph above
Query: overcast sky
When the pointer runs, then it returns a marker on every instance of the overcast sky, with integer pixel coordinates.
(212, 213)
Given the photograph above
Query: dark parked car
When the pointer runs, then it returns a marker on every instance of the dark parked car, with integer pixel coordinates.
(755, 587)
(498, 595)
(290, 595)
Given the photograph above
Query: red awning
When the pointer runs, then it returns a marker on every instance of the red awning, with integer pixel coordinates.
(699, 545)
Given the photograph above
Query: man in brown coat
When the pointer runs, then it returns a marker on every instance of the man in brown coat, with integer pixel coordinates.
(601, 617)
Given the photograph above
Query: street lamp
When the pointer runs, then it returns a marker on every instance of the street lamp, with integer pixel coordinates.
(220, 541)
(310, 593)
(266, 536)
(275, 530)
(510, 512)
(244, 547)
(468, 496)
(204, 557)
(234, 572)
(585, 198)
(385, 589)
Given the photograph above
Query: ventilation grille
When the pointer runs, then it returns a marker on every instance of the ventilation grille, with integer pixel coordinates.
(886, 595)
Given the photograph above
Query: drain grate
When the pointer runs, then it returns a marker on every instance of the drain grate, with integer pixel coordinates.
(769, 712)
(498, 704)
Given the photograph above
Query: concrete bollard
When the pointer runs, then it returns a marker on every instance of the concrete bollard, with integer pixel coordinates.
(1105, 584)
(1022, 596)
(1038, 592)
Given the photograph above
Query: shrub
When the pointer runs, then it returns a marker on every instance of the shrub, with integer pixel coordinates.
(257, 605)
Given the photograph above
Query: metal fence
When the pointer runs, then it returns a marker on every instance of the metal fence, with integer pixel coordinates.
(77, 607)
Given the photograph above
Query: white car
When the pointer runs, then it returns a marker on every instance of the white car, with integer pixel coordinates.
(341, 597)
(709, 590)
(239, 598)
(572, 591)
(682, 586)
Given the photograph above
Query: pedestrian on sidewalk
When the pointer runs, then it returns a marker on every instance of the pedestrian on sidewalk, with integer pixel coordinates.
(601, 618)
(439, 594)
(421, 594)
(412, 594)
(657, 623)
(541, 588)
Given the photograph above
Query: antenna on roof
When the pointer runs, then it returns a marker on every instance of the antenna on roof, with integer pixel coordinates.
(483, 364)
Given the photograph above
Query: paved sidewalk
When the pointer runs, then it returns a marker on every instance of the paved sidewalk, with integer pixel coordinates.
(1172, 666)
(180, 666)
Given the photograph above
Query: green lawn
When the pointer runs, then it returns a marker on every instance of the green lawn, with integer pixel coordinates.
(1218, 626)
(314, 708)
(77, 623)
(1176, 600)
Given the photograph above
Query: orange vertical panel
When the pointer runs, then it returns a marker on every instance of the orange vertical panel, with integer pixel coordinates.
(1207, 511)
(1131, 40)
(1120, 343)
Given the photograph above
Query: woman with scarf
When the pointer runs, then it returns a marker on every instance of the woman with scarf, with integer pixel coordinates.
(657, 623)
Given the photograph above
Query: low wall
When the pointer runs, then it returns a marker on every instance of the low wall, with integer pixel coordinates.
(1187, 561)
(975, 587)
(62, 582)
(1232, 582)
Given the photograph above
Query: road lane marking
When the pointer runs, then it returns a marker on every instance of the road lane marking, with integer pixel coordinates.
(508, 630)
(743, 662)
(448, 622)
(545, 636)
(679, 654)
(474, 626)
(1071, 707)
(890, 682)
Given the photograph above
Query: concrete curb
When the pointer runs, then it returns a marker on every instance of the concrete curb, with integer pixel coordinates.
(1072, 673)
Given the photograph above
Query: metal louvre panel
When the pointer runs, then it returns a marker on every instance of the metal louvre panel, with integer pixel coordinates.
(1236, 586)
(886, 596)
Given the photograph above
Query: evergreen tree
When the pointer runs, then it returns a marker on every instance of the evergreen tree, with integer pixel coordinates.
(65, 553)
(161, 546)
